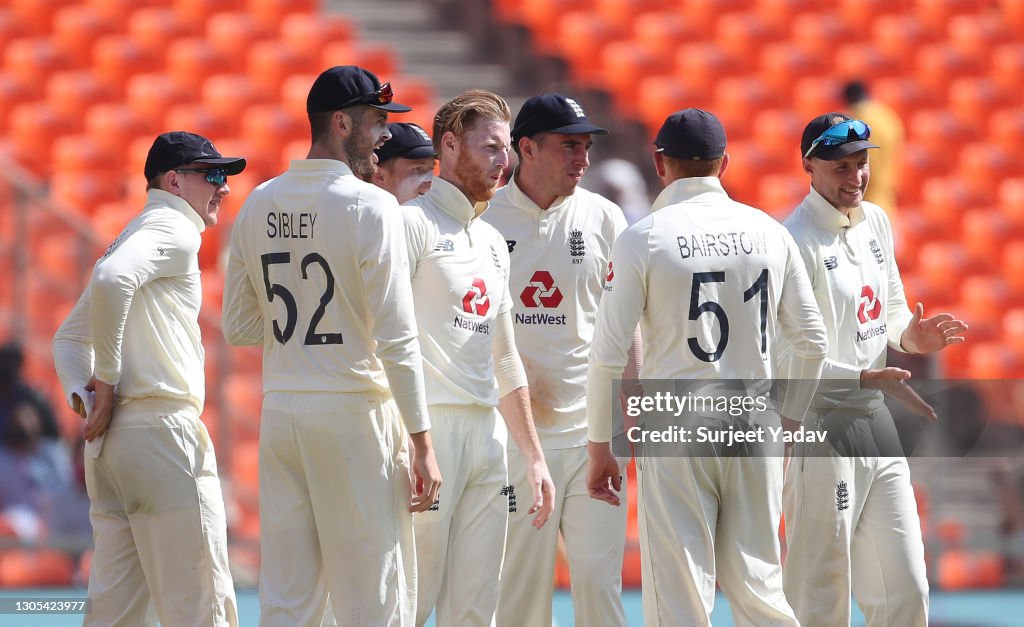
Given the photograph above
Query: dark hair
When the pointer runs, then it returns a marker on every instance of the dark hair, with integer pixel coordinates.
(854, 92)
(688, 168)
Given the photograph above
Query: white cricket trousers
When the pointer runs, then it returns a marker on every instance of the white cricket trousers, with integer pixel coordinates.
(158, 522)
(703, 518)
(852, 526)
(594, 534)
(459, 545)
(334, 519)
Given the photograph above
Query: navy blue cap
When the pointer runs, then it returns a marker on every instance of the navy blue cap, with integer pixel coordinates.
(347, 86)
(819, 125)
(408, 141)
(691, 134)
(552, 113)
(177, 148)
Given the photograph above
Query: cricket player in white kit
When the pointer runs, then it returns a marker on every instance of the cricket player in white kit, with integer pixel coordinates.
(405, 163)
(317, 273)
(851, 517)
(130, 359)
(711, 282)
(559, 238)
(460, 270)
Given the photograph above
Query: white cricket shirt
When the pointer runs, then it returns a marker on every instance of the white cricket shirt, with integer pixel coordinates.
(459, 266)
(559, 261)
(711, 281)
(317, 272)
(136, 324)
(856, 283)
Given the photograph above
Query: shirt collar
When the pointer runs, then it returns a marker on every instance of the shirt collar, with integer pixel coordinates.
(452, 201)
(520, 199)
(157, 198)
(682, 190)
(827, 216)
(319, 165)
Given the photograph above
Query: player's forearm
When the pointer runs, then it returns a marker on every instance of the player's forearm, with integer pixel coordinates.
(404, 370)
(515, 409)
(634, 359)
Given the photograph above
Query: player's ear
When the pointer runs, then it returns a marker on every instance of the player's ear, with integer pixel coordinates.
(659, 165)
(448, 141)
(807, 166)
(725, 165)
(378, 176)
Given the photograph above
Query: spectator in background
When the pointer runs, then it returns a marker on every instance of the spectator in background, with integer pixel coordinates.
(35, 469)
(14, 391)
(888, 134)
(405, 163)
(622, 183)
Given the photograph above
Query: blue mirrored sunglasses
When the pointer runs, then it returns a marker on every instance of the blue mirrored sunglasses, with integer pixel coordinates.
(848, 131)
(216, 176)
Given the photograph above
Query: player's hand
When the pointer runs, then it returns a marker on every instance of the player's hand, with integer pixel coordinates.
(604, 479)
(426, 476)
(543, 491)
(789, 426)
(928, 335)
(893, 382)
(103, 412)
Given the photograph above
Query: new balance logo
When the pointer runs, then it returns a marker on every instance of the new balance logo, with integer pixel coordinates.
(831, 263)
(511, 243)
(435, 506)
(541, 292)
(510, 492)
(842, 496)
(444, 246)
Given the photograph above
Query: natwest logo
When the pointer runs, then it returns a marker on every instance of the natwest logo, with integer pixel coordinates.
(870, 307)
(541, 292)
(611, 274)
(476, 301)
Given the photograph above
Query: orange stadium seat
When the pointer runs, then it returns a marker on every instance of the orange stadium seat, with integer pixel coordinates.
(662, 31)
(904, 94)
(270, 126)
(270, 63)
(231, 33)
(37, 15)
(1012, 11)
(243, 394)
(76, 27)
(120, 11)
(813, 96)
(194, 117)
(1006, 129)
(983, 300)
(150, 96)
(1013, 268)
(981, 162)
(195, 12)
(116, 58)
(935, 65)
(115, 126)
(976, 35)
(12, 28)
(857, 60)
(900, 34)
(13, 93)
(783, 64)
(738, 99)
(82, 154)
(110, 218)
(859, 13)
(622, 62)
(918, 163)
(708, 12)
(701, 65)
(972, 99)
(1010, 196)
(226, 95)
(938, 13)
(744, 34)
(188, 60)
(742, 182)
(32, 568)
(540, 17)
(939, 265)
(32, 129)
(1013, 332)
(985, 360)
(1007, 68)
(664, 95)
(378, 58)
(779, 194)
(294, 91)
(73, 92)
(780, 13)
(269, 13)
(81, 191)
(155, 28)
(625, 11)
(308, 33)
(817, 33)
(581, 36)
(29, 58)
(937, 130)
(944, 200)
(777, 132)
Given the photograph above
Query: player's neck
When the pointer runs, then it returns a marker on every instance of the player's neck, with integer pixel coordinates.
(535, 192)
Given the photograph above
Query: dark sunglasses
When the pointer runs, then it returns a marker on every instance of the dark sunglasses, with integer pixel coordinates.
(216, 176)
(382, 96)
(848, 131)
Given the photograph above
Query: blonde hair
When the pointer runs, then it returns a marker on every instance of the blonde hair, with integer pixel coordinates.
(462, 111)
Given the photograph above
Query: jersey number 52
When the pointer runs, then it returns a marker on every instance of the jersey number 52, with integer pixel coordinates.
(276, 290)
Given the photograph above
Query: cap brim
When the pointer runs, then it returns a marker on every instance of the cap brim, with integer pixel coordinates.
(231, 165)
(416, 152)
(393, 107)
(832, 153)
(578, 129)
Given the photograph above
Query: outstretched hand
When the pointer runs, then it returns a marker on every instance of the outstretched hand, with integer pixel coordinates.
(893, 382)
(928, 335)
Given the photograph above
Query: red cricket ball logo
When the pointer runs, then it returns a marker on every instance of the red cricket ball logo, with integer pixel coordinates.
(870, 307)
(541, 292)
(476, 301)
